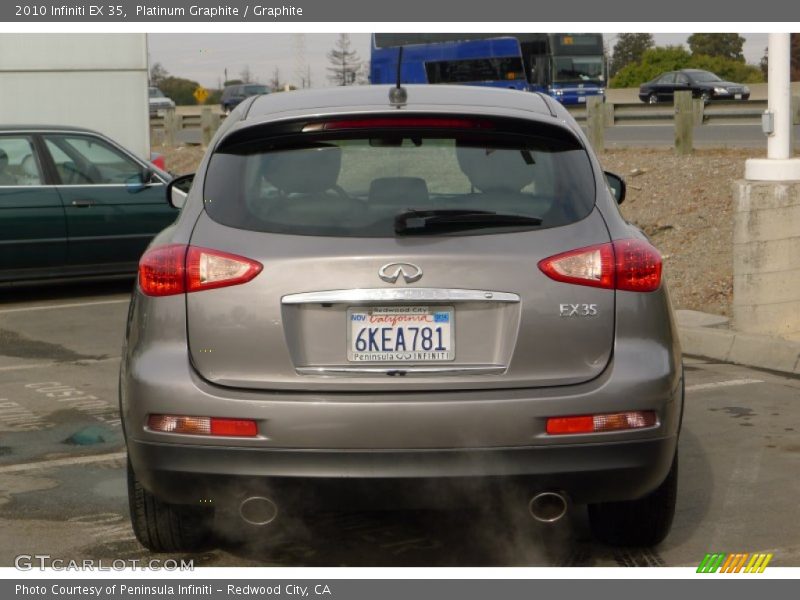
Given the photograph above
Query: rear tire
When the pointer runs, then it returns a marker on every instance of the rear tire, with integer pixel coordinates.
(643, 522)
(163, 527)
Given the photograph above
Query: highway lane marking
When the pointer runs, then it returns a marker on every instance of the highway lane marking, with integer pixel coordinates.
(720, 384)
(84, 361)
(5, 311)
(62, 462)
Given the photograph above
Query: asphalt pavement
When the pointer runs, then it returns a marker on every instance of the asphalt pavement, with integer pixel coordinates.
(62, 479)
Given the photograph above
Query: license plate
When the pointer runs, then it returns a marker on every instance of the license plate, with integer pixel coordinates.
(738, 96)
(400, 334)
(581, 98)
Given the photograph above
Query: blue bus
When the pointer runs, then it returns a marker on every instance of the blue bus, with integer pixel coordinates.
(568, 66)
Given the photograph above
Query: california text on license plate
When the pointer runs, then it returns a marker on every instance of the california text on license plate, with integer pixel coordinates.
(400, 334)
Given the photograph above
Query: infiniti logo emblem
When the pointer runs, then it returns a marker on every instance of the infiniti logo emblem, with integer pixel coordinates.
(392, 271)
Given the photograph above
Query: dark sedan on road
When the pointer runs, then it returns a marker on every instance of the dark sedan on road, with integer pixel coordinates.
(74, 204)
(702, 84)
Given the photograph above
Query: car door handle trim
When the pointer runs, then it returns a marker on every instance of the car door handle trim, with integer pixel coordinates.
(82, 203)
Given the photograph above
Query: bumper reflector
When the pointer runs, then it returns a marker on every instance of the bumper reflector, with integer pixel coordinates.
(203, 425)
(597, 423)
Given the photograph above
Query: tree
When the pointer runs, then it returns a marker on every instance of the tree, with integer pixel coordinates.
(726, 45)
(629, 49)
(795, 59)
(345, 63)
(246, 75)
(727, 69)
(275, 83)
(157, 74)
(653, 62)
(179, 89)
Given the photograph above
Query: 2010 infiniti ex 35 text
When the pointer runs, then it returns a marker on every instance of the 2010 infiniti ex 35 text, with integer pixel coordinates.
(371, 295)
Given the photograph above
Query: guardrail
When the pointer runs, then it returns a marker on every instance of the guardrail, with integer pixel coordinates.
(172, 128)
(686, 113)
(719, 112)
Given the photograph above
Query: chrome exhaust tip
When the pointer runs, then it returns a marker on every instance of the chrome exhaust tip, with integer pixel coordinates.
(258, 510)
(547, 507)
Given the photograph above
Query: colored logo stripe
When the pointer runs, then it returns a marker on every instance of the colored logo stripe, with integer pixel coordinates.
(711, 563)
(734, 563)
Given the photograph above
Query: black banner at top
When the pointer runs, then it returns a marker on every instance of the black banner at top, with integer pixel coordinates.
(447, 11)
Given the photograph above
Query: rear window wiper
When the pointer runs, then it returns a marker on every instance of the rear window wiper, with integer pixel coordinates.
(412, 222)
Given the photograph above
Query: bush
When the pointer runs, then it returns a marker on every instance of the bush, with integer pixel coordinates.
(180, 90)
(672, 58)
(654, 62)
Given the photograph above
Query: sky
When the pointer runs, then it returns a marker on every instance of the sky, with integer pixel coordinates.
(204, 57)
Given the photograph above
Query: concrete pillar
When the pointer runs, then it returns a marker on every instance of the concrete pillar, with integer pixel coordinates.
(766, 227)
(595, 122)
(766, 268)
(209, 123)
(684, 123)
(172, 126)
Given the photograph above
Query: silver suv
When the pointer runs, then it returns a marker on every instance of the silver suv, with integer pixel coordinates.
(376, 290)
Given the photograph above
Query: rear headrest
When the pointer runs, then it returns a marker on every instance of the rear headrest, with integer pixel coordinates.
(304, 171)
(406, 192)
(495, 170)
(29, 166)
(3, 159)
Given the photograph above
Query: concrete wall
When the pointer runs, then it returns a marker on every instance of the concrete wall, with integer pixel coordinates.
(98, 81)
(766, 263)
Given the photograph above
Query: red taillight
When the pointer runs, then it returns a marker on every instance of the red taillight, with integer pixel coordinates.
(631, 265)
(403, 122)
(598, 423)
(203, 425)
(162, 271)
(638, 266)
(178, 269)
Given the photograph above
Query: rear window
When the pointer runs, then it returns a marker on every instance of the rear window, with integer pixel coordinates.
(355, 184)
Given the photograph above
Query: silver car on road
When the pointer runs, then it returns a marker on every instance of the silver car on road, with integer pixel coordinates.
(374, 294)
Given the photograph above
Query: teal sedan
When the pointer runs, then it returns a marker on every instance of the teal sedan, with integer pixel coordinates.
(75, 205)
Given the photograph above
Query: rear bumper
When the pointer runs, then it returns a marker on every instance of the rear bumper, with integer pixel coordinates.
(224, 475)
(405, 436)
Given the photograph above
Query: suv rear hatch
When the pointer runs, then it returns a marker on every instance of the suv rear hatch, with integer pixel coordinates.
(398, 253)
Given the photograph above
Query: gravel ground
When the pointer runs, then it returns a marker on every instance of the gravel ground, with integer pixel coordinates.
(683, 203)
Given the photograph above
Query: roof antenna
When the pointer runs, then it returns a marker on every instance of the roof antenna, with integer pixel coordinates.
(398, 95)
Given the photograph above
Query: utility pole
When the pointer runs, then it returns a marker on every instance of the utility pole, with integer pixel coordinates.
(777, 120)
(300, 60)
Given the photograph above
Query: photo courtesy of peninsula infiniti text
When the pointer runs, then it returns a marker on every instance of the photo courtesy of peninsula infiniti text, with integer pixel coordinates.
(385, 297)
